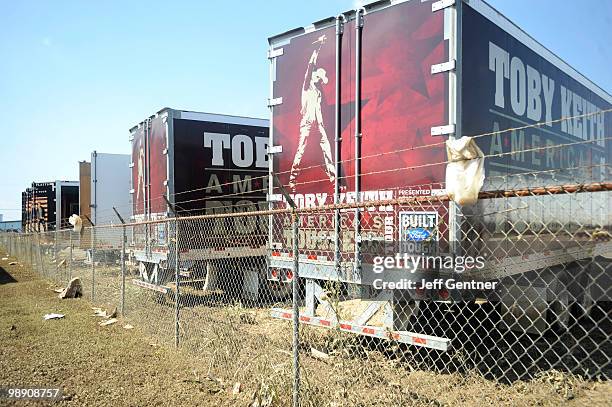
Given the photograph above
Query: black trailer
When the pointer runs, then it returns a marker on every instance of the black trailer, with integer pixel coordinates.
(188, 163)
(46, 206)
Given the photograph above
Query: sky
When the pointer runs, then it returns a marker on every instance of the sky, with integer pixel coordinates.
(76, 75)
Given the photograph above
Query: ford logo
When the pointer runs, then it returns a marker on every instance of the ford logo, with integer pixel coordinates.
(418, 234)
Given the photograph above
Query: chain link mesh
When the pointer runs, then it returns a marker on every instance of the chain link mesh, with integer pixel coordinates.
(220, 287)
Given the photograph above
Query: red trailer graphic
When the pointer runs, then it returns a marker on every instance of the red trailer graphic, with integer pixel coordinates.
(400, 102)
(361, 108)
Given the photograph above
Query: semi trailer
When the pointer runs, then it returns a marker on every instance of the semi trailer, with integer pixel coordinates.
(104, 181)
(361, 107)
(46, 206)
(110, 178)
(188, 163)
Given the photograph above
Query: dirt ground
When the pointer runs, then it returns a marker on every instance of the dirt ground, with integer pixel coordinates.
(93, 365)
(223, 346)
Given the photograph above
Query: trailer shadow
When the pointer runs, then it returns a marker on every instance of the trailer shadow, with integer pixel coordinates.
(480, 342)
(218, 298)
(5, 277)
(483, 346)
(583, 349)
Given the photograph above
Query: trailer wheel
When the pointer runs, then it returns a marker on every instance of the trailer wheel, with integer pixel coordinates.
(277, 291)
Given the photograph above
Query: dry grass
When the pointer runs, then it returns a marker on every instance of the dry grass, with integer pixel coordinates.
(94, 365)
(363, 377)
(225, 345)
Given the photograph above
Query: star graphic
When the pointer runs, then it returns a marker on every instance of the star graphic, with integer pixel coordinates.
(406, 67)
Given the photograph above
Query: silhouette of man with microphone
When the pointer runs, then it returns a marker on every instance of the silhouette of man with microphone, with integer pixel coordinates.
(312, 118)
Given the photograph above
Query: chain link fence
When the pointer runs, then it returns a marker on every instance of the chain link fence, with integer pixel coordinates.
(510, 289)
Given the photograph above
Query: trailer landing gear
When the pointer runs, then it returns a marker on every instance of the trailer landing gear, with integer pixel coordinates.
(384, 316)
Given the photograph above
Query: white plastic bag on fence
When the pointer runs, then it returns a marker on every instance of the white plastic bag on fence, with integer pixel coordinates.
(76, 222)
(465, 171)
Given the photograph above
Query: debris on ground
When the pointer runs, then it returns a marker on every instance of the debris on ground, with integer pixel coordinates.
(67, 397)
(237, 387)
(317, 354)
(217, 384)
(73, 290)
(215, 380)
(108, 322)
(99, 312)
(4, 258)
(61, 263)
(13, 327)
(53, 316)
(600, 234)
(13, 263)
(128, 326)
(58, 290)
(263, 397)
(286, 352)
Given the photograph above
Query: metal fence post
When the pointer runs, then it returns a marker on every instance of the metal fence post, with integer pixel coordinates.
(177, 275)
(39, 258)
(123, 241)
(32, 258)
(177, 281)
(296, 314)
(70, 258)
(92, 245)
(55, 246)
(31, 247)
(93, 262)
(295, 289)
